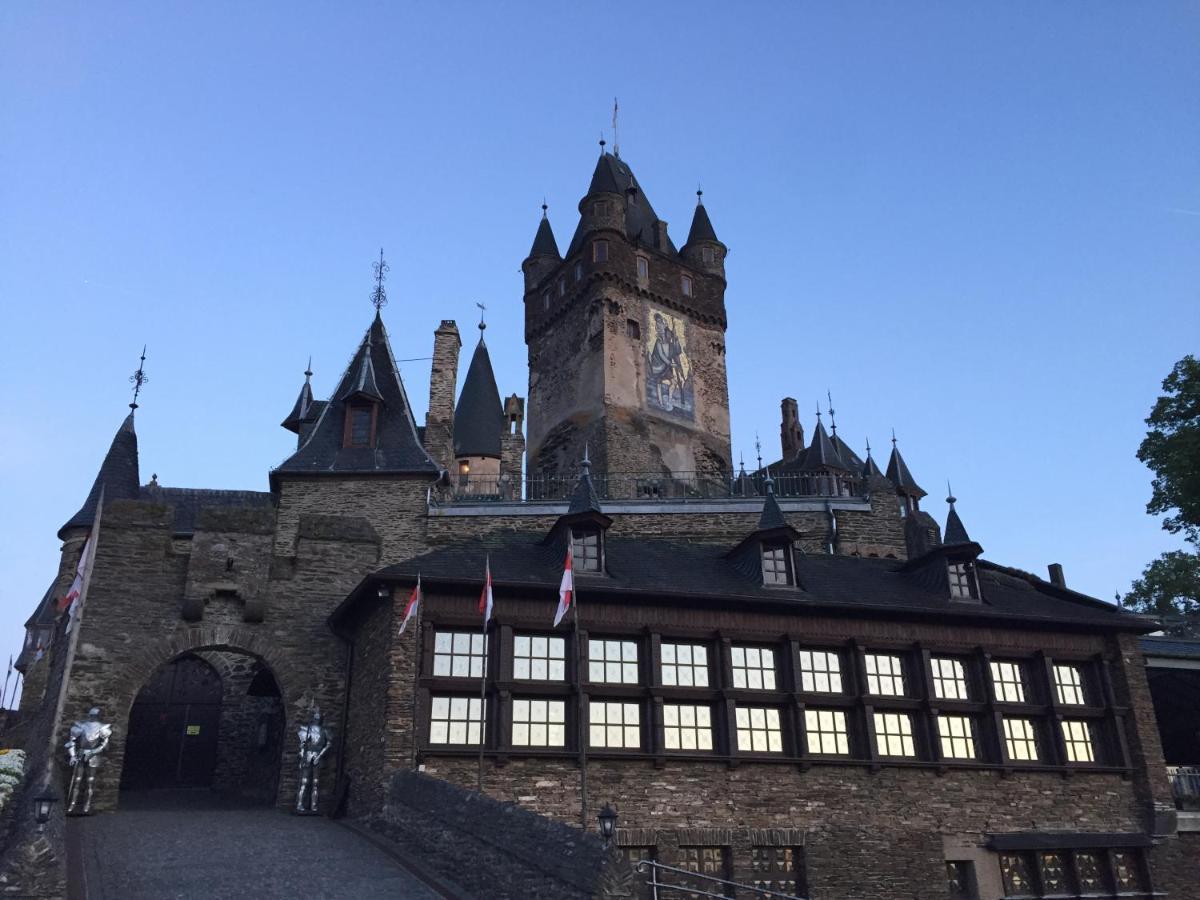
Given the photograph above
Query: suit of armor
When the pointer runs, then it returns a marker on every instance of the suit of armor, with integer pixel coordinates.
(86, 741)
(314, 743)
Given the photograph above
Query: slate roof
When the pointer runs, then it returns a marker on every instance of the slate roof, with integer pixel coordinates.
(955, 532)
(613, 175)
(479, 415)
(187, 502)
(544, 243)
(1173, 647)
(702, 229)
(821, 453)
(870, 471)
(898, 474)
(303, 410)
(118, 477)
(852, 460)
(46, 612)
(584, 499)
(693, 571)
(397, 449)
(772, 516)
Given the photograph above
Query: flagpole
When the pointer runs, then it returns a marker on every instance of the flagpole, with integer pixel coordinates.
(583, 786)
(487, 568)
(7, 676)
(418, 653)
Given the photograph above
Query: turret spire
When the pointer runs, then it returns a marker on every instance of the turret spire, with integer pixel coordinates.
(956, 532)
(139, 378)
(898, 474)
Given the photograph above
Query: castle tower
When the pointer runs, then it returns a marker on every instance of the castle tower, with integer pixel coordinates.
(479, 423)
(626, 339)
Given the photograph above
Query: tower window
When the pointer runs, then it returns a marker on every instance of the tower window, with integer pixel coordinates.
(360, 425)
(600, 208)
(706, 254)
(775, 566)
(562, 287)
(643, 268)
(962, 581)
(686, 284)
(579, 271)
(546, 300)
(599, 251)
(585, 549)
(634, 329)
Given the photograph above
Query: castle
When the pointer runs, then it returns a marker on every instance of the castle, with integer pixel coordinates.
(792, 677)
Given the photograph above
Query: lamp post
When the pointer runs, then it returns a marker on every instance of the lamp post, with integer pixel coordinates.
(43, 804)
(608, 823)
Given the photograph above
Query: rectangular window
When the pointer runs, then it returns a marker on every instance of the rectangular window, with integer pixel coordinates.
(1068, 682)
(1077, 736)
(1066, 873)
(779, 869)
(710, 861)
(643, 268)
(360, 426)
(775, 565)
(1091, 873)
(600, 208)
(539, 723)
(687, 727)
(612, 662)
(537, 658)
(1052, 866)
(615, 725)
(458, 654)
(893, 734)
(1016, 871)
(546, 300)
(957, 735)
(1020, 740)
(684, 665)
(820, 671)
(1127, 871)
(1009, 682)
(579, 271)
(633, 328)
(961, 879)
(585, 549)
(885, 675)
(753, 668)
(758, 730)
(562, 287)
(599, 251)
(686, 285)
(642, 890)
(706, 254)
(826, 732)
(961, 581)
(949, 679)
(455, 720)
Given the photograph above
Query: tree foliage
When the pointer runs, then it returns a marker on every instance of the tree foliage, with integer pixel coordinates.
(1170, 588)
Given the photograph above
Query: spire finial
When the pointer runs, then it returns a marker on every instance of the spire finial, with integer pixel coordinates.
(758, 449)
(741, 461)
(868, 448)
(818, 412)
(769, 482)
(699, 195)
(616, 140)
(832, 420)
(544, 207)
(893, 438)
(308, 368)
(950, 498)
(586, 465)
(138, 378)
(602, 143)
(379, 295)
(482, 324)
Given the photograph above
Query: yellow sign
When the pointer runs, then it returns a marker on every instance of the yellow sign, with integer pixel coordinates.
(193, 729)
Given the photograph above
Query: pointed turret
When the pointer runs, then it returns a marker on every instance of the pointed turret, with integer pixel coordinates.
(544, 243)
(615, 201)
(585, 499)
(479, 417)
(703, 249)
(821, 453)
(302, 412)
(772, 516)
(955, 532)
(871, 474)
(117, 478)
(846, 453)
(901, 478)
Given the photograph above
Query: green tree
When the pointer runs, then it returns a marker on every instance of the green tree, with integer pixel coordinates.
(1170, 585)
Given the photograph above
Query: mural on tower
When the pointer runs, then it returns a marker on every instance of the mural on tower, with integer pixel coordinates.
(669, 383)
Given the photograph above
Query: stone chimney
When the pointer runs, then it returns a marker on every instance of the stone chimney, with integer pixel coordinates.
(791, 432)
(1056, 575)
(443, 382)
(512, 445)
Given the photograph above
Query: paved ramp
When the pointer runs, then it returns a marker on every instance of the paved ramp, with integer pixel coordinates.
(192, 848)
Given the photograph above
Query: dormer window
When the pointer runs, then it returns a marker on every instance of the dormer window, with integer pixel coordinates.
(962, 581)
(599, 251)
(360, 425)
(776, 563)
(585, 549)
(686, 285)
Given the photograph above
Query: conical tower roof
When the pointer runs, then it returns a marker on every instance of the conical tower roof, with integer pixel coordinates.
(852, 460)
(870, 471)
(702, 229)
(772, 516)
(544, 243)
(479, 415)
(303, 410)
(955, 532)
(117, 478)
(898, 474)
(614, 176)
(821, 453)
(585, 499)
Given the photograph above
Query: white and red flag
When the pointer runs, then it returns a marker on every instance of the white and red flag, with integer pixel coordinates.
(414, 604)
(485, 596)
(566, 590)
(72, 596)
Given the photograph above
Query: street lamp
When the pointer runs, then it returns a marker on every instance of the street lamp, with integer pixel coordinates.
(42, 805)
(608, 822)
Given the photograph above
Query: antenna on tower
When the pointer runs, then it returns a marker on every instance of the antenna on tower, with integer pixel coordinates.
(616, 140)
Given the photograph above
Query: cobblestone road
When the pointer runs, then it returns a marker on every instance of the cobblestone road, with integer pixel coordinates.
(147, 852)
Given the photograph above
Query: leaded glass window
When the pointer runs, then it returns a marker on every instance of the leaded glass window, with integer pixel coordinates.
(1053, 868)
(615, 725)
(758, 729)
(1068, 683)
(962, 584)
(710, 861)
(957, 735)
(777, 869)
(753, 668)
(820, 671)
(1077, 738)
(825, 731)
(1089, 869)
(459, 654)
(1020, 740)
(613, 662)
(684, 665)
(1017, 875)
(1008, 681)
(894, 734)
(455, 720)
(885, 675)
(585, 549)
(539, 723)
(960, 878)
(687, 726)
(1127, 871)
(775, 564)
(539, 658)
(949, 678)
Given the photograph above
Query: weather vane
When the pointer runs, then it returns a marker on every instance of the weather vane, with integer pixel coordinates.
(379, 295)
(832, 420)
(482, 310)
(138, 378)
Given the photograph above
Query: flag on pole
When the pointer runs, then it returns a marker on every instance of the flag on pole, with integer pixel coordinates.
(565, 590)
(414, 601)
(72, 596)
(485, 596)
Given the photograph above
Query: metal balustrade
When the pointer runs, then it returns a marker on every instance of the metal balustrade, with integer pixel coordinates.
(694, 884)
(1185, 785)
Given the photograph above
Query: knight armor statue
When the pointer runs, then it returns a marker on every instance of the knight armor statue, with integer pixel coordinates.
(85, 743)
(314, 742)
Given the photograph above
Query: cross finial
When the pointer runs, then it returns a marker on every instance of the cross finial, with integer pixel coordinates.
(139, 378)
(379, 295)
(482, 324)
(832, 420)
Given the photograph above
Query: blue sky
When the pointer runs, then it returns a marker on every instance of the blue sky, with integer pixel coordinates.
(976, 223)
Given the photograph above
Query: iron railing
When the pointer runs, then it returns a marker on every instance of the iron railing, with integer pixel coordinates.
(1185, 785)
(692, 887)
(673, 486)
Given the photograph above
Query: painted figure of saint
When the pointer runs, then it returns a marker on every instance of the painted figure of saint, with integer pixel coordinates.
(668, 369)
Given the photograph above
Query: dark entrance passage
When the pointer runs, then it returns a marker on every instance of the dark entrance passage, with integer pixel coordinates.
(209, 719)
(173, 728)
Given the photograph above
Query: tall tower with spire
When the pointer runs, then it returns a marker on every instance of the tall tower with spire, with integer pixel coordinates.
(626, 338)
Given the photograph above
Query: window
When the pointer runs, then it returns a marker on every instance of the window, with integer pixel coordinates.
(820, 671)
(1053, 869)
(779, 869)
(1090, 872)
(961, 879)
(464, 474)
(1127, 871)
(359, 421)
(546, 300)
(641, 880)
(579, 271)
(612, 662)
(600, 208)
(539, 723)
(949, 679)
(633, 328)
(1077, 737)
(1020, 740)
(893, 734)
(825, 730)
(687, 727)
(455, 720)
(885, 675)
(686, 285)
(903, 507)
(615, 725)
(1068, 682)
(753, 668)
(643, 268)
(599, 251)
(962, 581)
(585, 549)
(684, 665)
(458, 654)
(957, 735)
(710, 861)
(1009, 682)
(562, 287)
(775, 564)
(1071, 873)
(758, 730)
(539, 658)
(707, 255)
(1016, 871)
